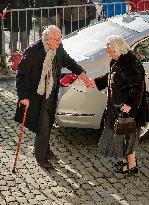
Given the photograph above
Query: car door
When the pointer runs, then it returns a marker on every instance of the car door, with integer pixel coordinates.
(85, 106)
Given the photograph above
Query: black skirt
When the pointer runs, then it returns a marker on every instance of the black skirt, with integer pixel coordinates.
(118, 146)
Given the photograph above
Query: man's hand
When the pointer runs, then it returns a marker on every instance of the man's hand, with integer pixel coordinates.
(24, 102)
(91, 84)
(88, 83)
(125, 108)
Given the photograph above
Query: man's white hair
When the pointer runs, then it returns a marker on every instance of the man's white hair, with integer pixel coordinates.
(47, 33)
(118, 44)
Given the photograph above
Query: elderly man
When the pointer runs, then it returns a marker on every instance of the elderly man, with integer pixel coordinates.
(37, 83)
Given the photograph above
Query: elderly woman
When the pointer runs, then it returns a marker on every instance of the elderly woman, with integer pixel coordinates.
(126, 87)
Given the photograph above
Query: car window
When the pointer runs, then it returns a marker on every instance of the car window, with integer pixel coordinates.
(142, 50)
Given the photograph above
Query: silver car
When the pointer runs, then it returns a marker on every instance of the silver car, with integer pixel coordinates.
(83, 107)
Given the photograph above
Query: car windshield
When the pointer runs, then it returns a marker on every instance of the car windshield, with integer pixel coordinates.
(92, 39)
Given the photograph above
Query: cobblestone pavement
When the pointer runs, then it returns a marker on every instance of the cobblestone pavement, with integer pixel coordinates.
(80, 178)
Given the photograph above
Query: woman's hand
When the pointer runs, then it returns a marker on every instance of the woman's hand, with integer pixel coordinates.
(24, 102)
(88, 83)
(125, 108)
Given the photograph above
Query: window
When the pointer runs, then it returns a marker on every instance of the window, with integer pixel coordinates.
(142, 50)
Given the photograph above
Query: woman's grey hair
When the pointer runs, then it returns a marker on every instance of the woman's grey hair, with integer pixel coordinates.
(47, 33)
(118, 44)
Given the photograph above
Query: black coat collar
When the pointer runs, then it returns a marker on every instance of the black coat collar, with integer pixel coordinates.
(123, 59)
(126, 58)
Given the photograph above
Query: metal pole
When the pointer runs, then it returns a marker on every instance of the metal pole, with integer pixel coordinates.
(3, 57)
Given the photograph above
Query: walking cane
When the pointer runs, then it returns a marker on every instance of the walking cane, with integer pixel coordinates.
(19, 141)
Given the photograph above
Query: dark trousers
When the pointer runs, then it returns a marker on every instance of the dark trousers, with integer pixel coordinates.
(46, 119)
(0, 40)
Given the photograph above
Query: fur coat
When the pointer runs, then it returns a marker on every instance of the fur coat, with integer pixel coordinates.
(127, 87)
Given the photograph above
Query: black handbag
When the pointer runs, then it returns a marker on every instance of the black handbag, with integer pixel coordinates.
(124, 125)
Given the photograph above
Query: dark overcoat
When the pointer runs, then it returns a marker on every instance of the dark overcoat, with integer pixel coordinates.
(19, 21)
(127, 87)
(28, 77)
(46, 3)
(73, 12)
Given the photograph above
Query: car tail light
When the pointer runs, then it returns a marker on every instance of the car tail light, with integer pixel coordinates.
(68, 79)
(15, 60)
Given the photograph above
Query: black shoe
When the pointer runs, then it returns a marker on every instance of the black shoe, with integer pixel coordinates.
(130, 171)
(51, 155)
(47, 164)
(120, 164)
